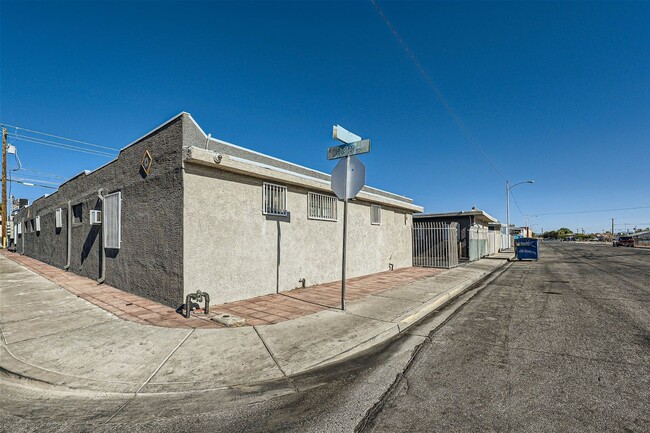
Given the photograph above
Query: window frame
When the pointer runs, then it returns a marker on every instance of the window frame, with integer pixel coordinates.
(77, 217)
(106, 221)
(375, 209)
(272, 210)
(58, 218)
(327, 198)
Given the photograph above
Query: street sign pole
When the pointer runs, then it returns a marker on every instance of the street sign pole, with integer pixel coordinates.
(348, 179)
(345, 234)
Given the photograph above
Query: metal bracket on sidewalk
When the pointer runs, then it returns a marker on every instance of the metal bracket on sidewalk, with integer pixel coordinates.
(198, 297)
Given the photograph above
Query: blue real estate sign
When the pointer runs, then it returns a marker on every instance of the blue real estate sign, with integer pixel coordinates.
(526, 248)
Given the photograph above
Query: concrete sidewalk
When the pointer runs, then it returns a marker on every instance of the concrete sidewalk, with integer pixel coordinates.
(55, 337)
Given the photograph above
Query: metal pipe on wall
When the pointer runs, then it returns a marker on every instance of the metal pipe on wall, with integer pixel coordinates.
(69, 235)
(102, 271)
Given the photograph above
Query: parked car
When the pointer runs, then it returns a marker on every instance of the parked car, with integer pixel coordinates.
(624, 241)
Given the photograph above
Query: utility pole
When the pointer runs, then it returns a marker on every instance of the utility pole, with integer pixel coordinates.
(508, 188)
(4, 188)
(508, 213)
(612, 227)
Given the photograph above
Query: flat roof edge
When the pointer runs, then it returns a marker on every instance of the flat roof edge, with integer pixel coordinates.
(302, 167)
(265, 171)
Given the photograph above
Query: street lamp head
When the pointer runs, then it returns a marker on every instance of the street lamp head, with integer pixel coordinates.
(509, 187)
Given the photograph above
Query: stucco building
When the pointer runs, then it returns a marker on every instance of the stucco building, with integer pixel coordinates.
(180, 211)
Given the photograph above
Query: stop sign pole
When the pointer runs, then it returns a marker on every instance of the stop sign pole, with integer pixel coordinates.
(348, 177)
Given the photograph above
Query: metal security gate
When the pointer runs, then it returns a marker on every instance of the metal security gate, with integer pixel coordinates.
(435, 245)
(478, 242)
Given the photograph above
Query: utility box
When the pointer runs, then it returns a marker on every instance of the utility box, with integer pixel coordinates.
(526, 249)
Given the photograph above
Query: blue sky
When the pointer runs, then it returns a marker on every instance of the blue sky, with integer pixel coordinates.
(557, 92)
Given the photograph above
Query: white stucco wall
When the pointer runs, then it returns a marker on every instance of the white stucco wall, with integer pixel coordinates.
(233, 251)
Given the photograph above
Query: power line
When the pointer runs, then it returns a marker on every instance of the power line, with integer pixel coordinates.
(513, 197)
(16, 136)
(594, 211)
(59, 137)
(25, 179)
(31, 184)
(39, 173)
(455, 117)
(70, 147)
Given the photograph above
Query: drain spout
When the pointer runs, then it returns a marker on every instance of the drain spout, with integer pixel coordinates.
(102, 252)
(69, 236)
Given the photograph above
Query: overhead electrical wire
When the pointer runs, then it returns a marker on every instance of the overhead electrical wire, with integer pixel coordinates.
(25, 179)
(60, 143)
(455, 117)
(594, 211)
(59, 137)
(31, 184)
(36, 140)
(517, 204)
(39, 173)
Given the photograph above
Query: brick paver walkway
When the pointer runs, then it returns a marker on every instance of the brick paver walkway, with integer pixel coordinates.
(301, 302)
(261, 310)
(122, 304)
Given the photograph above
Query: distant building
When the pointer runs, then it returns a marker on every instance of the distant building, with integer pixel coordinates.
(18, 203)
(178, 211)
(524, 232)
(641, 239)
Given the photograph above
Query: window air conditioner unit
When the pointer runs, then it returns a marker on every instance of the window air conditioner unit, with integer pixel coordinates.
(95, 217)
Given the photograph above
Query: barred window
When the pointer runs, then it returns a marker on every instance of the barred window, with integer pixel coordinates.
(38, 223)
(321, 206)
(375, 214)
(274, 201)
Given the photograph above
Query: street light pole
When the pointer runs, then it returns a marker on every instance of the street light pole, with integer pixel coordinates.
(508, 213)
(5, 211)
(508, 188)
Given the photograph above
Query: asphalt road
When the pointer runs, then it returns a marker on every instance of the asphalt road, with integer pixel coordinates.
(562, 344)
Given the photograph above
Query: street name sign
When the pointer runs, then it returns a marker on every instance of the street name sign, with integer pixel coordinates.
(341, 134)
(348, 149)
(348, 177)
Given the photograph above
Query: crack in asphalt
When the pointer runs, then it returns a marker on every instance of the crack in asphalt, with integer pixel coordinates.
(370, 418)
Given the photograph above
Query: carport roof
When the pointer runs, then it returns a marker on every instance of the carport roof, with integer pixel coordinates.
(482, 216)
